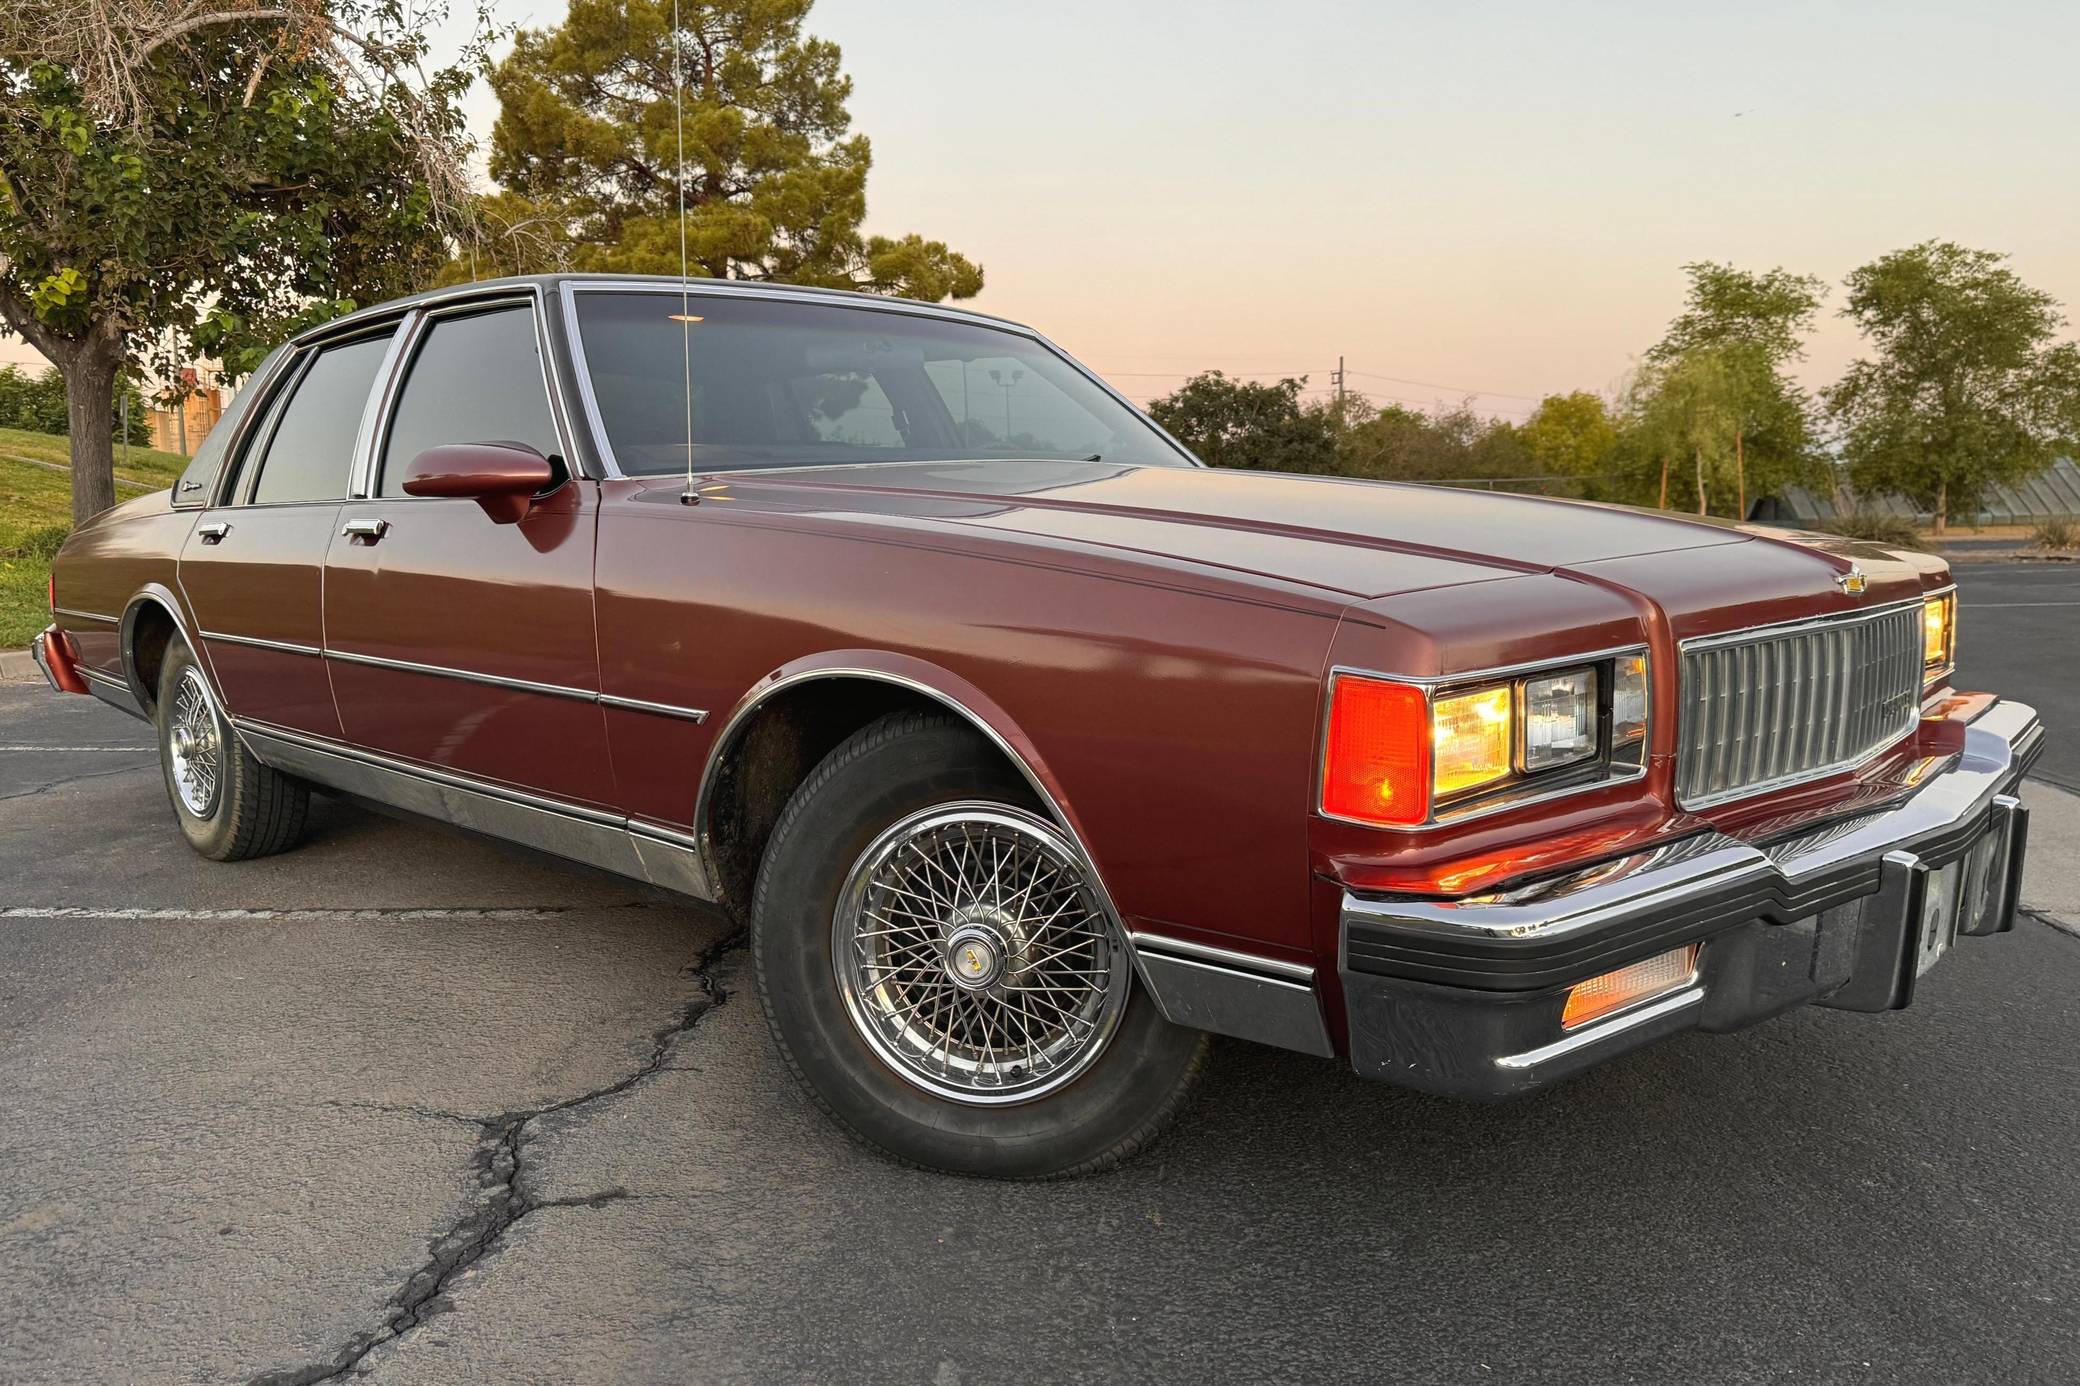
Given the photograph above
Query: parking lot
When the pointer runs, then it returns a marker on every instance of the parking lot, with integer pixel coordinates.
(409, 1105)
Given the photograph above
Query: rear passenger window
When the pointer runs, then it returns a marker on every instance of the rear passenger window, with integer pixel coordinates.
(474, 379)
(311, 449)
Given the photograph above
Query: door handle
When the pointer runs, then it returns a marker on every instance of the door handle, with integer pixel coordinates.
(213, 532)
(371, 530)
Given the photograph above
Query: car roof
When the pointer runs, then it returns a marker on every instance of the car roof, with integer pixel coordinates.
(550, 283)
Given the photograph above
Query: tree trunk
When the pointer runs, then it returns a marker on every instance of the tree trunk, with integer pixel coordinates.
(1702, 507)
(1664, 481)
(1740, 475)
(90, 403)
(1942, 507)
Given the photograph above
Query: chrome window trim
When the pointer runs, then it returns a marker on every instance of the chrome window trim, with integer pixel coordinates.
(279, 366)
(1748, 635)
(247, 479)
(396, 372)
(375, 411)
(569, 289)
(287, 646)
(1504, 800)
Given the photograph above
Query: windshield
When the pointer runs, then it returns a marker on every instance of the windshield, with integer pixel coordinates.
(780, 384)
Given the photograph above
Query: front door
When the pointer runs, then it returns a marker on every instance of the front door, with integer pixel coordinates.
(252, 567)
(454, 640)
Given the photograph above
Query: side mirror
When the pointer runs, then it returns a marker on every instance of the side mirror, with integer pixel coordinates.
(504, 478)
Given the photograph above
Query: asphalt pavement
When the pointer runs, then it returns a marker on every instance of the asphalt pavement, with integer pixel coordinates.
(405, 1106)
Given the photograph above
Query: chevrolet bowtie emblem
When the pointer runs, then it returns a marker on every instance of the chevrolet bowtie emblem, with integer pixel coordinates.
(1852, 582)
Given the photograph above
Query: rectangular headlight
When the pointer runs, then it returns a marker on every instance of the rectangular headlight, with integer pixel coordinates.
(1938, 633)
(1470, 735)
(1559, 719)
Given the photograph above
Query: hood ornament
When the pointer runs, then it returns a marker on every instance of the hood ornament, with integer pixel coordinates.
(1853, 583)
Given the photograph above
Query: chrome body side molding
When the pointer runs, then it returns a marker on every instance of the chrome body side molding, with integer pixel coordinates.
(285, 646)
(691, 714)
(640, 851)
(112, 690)
(550, 690)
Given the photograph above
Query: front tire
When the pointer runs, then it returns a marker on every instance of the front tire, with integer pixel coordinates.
(938, 970)
(229, 806)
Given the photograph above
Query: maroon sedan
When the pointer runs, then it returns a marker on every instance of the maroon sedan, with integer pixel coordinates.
(1032, 751)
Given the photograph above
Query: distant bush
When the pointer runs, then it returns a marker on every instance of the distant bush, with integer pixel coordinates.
(37, 403)
(2056, 535)
(1879, 529)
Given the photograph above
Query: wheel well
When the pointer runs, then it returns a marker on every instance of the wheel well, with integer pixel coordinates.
(773, 751)
(151, 632)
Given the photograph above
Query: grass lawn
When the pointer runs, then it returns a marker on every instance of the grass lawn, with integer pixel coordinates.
(36, 514)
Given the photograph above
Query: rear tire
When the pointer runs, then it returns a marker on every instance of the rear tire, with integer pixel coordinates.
(1001, 1033)
(229, 806)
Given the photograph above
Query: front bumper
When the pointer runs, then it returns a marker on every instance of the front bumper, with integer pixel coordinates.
(1465, 996)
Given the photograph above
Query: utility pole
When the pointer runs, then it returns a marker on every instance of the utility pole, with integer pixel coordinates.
(1336, 376)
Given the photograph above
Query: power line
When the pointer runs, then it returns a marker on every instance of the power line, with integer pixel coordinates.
(1456, 389)
(1338, 376)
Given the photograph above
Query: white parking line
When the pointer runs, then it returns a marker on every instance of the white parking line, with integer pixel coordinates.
(224, 915)
(113, 750)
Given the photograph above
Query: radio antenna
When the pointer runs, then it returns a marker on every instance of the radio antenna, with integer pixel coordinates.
(685, 316)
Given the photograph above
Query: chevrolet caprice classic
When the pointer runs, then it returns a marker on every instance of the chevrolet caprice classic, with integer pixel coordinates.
(1031, 751)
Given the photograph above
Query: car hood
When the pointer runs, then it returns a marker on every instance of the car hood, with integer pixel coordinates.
(1359, 539)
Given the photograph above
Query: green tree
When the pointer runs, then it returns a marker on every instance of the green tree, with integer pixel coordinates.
(1683, 417)
(1574, 435)
(1757, 323)
(587, 146)
(1456, 444)
(1968, 387)
(37, 403)
(1240, 423)
(202, 179)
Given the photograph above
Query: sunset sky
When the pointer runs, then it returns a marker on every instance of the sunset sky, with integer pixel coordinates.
(1473, 198)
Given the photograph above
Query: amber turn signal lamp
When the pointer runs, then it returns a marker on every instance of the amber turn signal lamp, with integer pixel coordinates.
(1629, 985)
(1376, 758)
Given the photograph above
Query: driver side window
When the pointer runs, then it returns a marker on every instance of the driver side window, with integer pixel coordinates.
(473, 379)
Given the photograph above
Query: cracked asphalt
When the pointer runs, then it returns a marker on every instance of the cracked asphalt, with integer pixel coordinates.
(405, 1106)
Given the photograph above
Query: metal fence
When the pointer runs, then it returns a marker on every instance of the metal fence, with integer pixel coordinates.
(2052, 495)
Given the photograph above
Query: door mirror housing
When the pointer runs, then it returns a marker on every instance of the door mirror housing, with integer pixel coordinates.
(504, 478)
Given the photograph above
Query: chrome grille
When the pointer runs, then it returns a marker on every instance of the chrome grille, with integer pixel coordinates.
(1775, 705)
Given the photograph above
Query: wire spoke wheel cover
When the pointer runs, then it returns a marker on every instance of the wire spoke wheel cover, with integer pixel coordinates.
(974, 957)
(194, 745)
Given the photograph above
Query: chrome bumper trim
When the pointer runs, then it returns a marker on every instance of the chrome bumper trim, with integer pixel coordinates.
(1711, 864)
(1613, 1028)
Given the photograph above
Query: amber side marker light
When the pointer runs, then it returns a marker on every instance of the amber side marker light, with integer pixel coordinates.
(1629, 985)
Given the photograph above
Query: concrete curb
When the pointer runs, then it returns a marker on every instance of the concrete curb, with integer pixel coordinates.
(16, 666)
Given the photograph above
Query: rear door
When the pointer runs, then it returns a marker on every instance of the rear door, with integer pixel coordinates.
(455, 640)
(252, 567)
